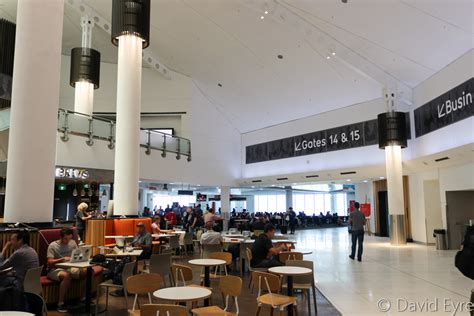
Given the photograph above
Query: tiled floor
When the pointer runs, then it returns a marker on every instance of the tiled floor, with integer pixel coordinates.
(408, 274)
(402, 275)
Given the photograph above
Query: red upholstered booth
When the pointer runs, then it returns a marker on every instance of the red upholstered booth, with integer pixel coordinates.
(51, 288)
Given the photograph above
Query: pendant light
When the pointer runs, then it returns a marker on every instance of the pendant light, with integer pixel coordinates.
(74, 192)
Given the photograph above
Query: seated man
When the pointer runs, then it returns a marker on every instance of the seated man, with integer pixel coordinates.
(211, 237)
(263, 252)
(21, 260)
(60, 251)
(142, 240)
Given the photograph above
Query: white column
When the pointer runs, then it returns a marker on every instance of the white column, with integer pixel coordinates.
(34, 111)
(396, 208)
(289, 198)
(225, 206)
(127, 146)
(84, 97)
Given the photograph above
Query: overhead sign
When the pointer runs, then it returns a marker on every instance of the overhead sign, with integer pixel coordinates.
(450, 107)
(72, 173)
(337, 138)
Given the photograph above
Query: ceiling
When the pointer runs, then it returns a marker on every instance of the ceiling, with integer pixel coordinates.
(231, 53)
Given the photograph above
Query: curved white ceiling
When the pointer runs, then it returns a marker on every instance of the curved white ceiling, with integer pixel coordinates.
(226, 42)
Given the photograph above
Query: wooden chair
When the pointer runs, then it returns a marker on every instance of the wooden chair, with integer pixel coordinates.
(230, 287)
(270, 283)
(289, 255)
(161, 264)
(305, 282)
(227, 257)
(185, 241)
(249, 259)
(208, 249)
(142, 284)
(197, 241)
(185, 275)
(126, 272)
(163, 310)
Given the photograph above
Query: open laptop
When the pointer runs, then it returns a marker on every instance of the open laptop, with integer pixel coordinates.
(82, 254)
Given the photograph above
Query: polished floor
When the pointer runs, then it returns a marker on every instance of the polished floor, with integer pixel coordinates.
(409, 280)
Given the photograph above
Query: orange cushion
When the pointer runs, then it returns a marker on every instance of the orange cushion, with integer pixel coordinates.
(124, 227)
(45, 281)
(109, 231)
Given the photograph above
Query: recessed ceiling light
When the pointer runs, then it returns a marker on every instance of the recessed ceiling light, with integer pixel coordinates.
(262, 17)
(333, 53)
(365, 181)
(273, 185)
(328, 57)
(266, 12)
(253, 187)
(348, 180)
(381, 178)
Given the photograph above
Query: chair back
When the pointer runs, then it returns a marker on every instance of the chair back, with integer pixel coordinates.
(249, 254)
(174, 242)
(160, 264)
(198, 234)
(127, 272)
(188, 239)
(36, 304)
(231, 286)
(181, 273)
(257, 232)
(290, 255)
(226, 256)
(163, 310)
(32, 283)
(303, 279)
(208, 249)
(267, 282)
(143, 284)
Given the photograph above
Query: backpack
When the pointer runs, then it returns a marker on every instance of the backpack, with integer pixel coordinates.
(464, 259)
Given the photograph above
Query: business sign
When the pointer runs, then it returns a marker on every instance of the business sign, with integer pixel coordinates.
(450, 107)
(72, 173)
(337, 138)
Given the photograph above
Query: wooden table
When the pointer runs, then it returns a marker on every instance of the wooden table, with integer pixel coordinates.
(133, 253)
(183, 293)
(207, 263)
(290, 272)
(82, 265)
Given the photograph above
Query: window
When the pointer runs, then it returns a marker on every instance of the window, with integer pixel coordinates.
(270, 203)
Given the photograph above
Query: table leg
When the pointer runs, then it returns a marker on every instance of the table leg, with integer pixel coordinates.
(290, 293)
(207, 282)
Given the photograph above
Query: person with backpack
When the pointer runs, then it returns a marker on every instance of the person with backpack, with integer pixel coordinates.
(464, 259)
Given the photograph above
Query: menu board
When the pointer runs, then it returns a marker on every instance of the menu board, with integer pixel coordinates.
(450, 107)
(337, 138)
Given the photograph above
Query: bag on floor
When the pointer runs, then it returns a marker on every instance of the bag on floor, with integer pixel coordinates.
(464, 259)
(284, 230)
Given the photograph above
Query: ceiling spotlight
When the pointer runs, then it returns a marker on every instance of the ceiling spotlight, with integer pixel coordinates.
(333, 53)
(381, 178)
(365, 181)
(328, 57)
(220, 85)
(348, 180)
(280, 56)
(266, 12)
(262, 17)
(344, 1)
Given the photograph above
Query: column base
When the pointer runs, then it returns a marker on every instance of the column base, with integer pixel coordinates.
(397, 230)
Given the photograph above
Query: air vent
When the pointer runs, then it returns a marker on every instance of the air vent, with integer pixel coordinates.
(256, 181)
(281, 179)
(441, 159)
(312, 176)
(348, 172)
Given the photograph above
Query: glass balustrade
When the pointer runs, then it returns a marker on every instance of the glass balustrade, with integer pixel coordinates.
(97, 128)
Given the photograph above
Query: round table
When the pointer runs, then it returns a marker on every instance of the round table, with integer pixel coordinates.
(183, 293)
(304, 252)
(241, 221)
(290, 272)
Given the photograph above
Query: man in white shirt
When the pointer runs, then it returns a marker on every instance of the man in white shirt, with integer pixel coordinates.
(211, 237)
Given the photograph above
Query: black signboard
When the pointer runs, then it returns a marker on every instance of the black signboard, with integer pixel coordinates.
(337, 138)
(450, 107)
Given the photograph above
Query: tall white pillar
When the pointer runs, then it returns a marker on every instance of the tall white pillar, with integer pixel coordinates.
(127, 146)
(84, 97)
(289, 197)
(396, 208)
(34, 111)
(225, 206)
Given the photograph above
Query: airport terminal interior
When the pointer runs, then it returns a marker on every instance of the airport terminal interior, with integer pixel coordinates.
(236, 157)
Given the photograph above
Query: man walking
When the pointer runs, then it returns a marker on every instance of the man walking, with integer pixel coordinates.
(357, 220)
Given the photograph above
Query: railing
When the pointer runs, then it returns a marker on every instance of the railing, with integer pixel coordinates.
(98, 128)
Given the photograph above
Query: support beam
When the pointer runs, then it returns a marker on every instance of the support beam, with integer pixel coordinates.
(34, 112)
(225, 206)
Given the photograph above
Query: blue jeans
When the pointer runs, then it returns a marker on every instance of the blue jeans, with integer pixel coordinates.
(357, 237)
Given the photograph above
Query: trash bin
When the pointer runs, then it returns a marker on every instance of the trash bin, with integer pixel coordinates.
(441, 242)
